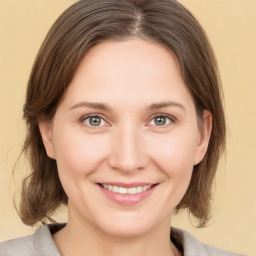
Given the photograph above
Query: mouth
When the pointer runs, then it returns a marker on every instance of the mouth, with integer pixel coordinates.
(131, 190)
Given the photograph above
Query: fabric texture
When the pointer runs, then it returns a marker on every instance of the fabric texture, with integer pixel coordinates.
(42, 244)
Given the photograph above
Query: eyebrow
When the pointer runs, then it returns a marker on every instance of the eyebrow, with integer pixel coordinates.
(166, 104)
(94, 105)
(101, 106)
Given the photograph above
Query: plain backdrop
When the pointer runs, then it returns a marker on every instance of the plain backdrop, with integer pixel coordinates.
(231, 27)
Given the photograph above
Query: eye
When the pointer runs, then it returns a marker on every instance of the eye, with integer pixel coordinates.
(93, 120)
(161, 120)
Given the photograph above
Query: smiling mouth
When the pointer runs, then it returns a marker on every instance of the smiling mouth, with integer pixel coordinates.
(125, 190)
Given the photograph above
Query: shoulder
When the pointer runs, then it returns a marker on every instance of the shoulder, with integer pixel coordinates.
(40, 244)
(21, 246)
(193, 247)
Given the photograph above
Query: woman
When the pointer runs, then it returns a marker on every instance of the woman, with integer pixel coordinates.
(125, 126)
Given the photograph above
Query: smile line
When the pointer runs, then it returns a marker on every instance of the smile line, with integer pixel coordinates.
(123, 190)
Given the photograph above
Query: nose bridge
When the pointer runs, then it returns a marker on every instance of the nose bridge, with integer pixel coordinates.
(128, 152)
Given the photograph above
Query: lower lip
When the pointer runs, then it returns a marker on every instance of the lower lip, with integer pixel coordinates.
(127, 199)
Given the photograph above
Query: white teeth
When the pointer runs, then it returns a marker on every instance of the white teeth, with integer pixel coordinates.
(122, 190)
(139, 189)
(115, 188)
(144, 188)
(130, 191)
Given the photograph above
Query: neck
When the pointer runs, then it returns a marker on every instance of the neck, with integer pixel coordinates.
(77, 238)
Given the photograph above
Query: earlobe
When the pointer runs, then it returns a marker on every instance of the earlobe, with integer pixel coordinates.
(204, 136)
(46, 134)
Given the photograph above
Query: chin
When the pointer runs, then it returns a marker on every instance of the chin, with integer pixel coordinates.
(124, 230)
(128, 226)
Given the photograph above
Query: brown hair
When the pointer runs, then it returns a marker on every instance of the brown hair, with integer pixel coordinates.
(80, 27)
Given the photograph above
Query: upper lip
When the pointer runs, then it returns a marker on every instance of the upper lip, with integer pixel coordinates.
(128, 185)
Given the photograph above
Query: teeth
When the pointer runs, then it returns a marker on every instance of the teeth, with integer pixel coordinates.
(122, 190)
(115, 189)
(139, 189)
(130, 191)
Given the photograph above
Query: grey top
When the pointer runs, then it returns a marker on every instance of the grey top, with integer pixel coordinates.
(42, 244)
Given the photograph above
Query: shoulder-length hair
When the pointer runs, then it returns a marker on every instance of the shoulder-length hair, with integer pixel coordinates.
(80, 27)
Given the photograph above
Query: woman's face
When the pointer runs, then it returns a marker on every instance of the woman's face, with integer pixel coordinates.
(126, 138)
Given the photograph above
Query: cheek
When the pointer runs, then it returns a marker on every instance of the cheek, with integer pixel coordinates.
(77, 153)
(174, 153)
(174, 158)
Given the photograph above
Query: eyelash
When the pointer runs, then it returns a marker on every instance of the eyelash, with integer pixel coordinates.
(171, 119)
(92, 115)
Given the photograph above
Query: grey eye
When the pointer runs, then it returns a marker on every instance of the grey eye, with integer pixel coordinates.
(94, 121)
(160, 120)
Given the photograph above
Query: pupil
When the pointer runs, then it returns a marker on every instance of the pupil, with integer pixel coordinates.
(94, 121)
(160, 120)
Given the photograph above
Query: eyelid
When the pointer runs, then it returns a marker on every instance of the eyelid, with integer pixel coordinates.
(172, 118)
(93, 115)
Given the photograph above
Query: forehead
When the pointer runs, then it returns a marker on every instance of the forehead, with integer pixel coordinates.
(136, 57)
(129, 71)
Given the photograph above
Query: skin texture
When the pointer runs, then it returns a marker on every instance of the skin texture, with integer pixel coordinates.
(127, 146)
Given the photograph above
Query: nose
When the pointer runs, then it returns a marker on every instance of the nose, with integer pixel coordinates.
(128, 152)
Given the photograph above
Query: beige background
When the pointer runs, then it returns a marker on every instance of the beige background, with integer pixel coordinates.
(231, 26)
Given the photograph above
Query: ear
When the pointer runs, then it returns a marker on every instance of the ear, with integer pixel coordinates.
(46, 133)
(204, 137)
